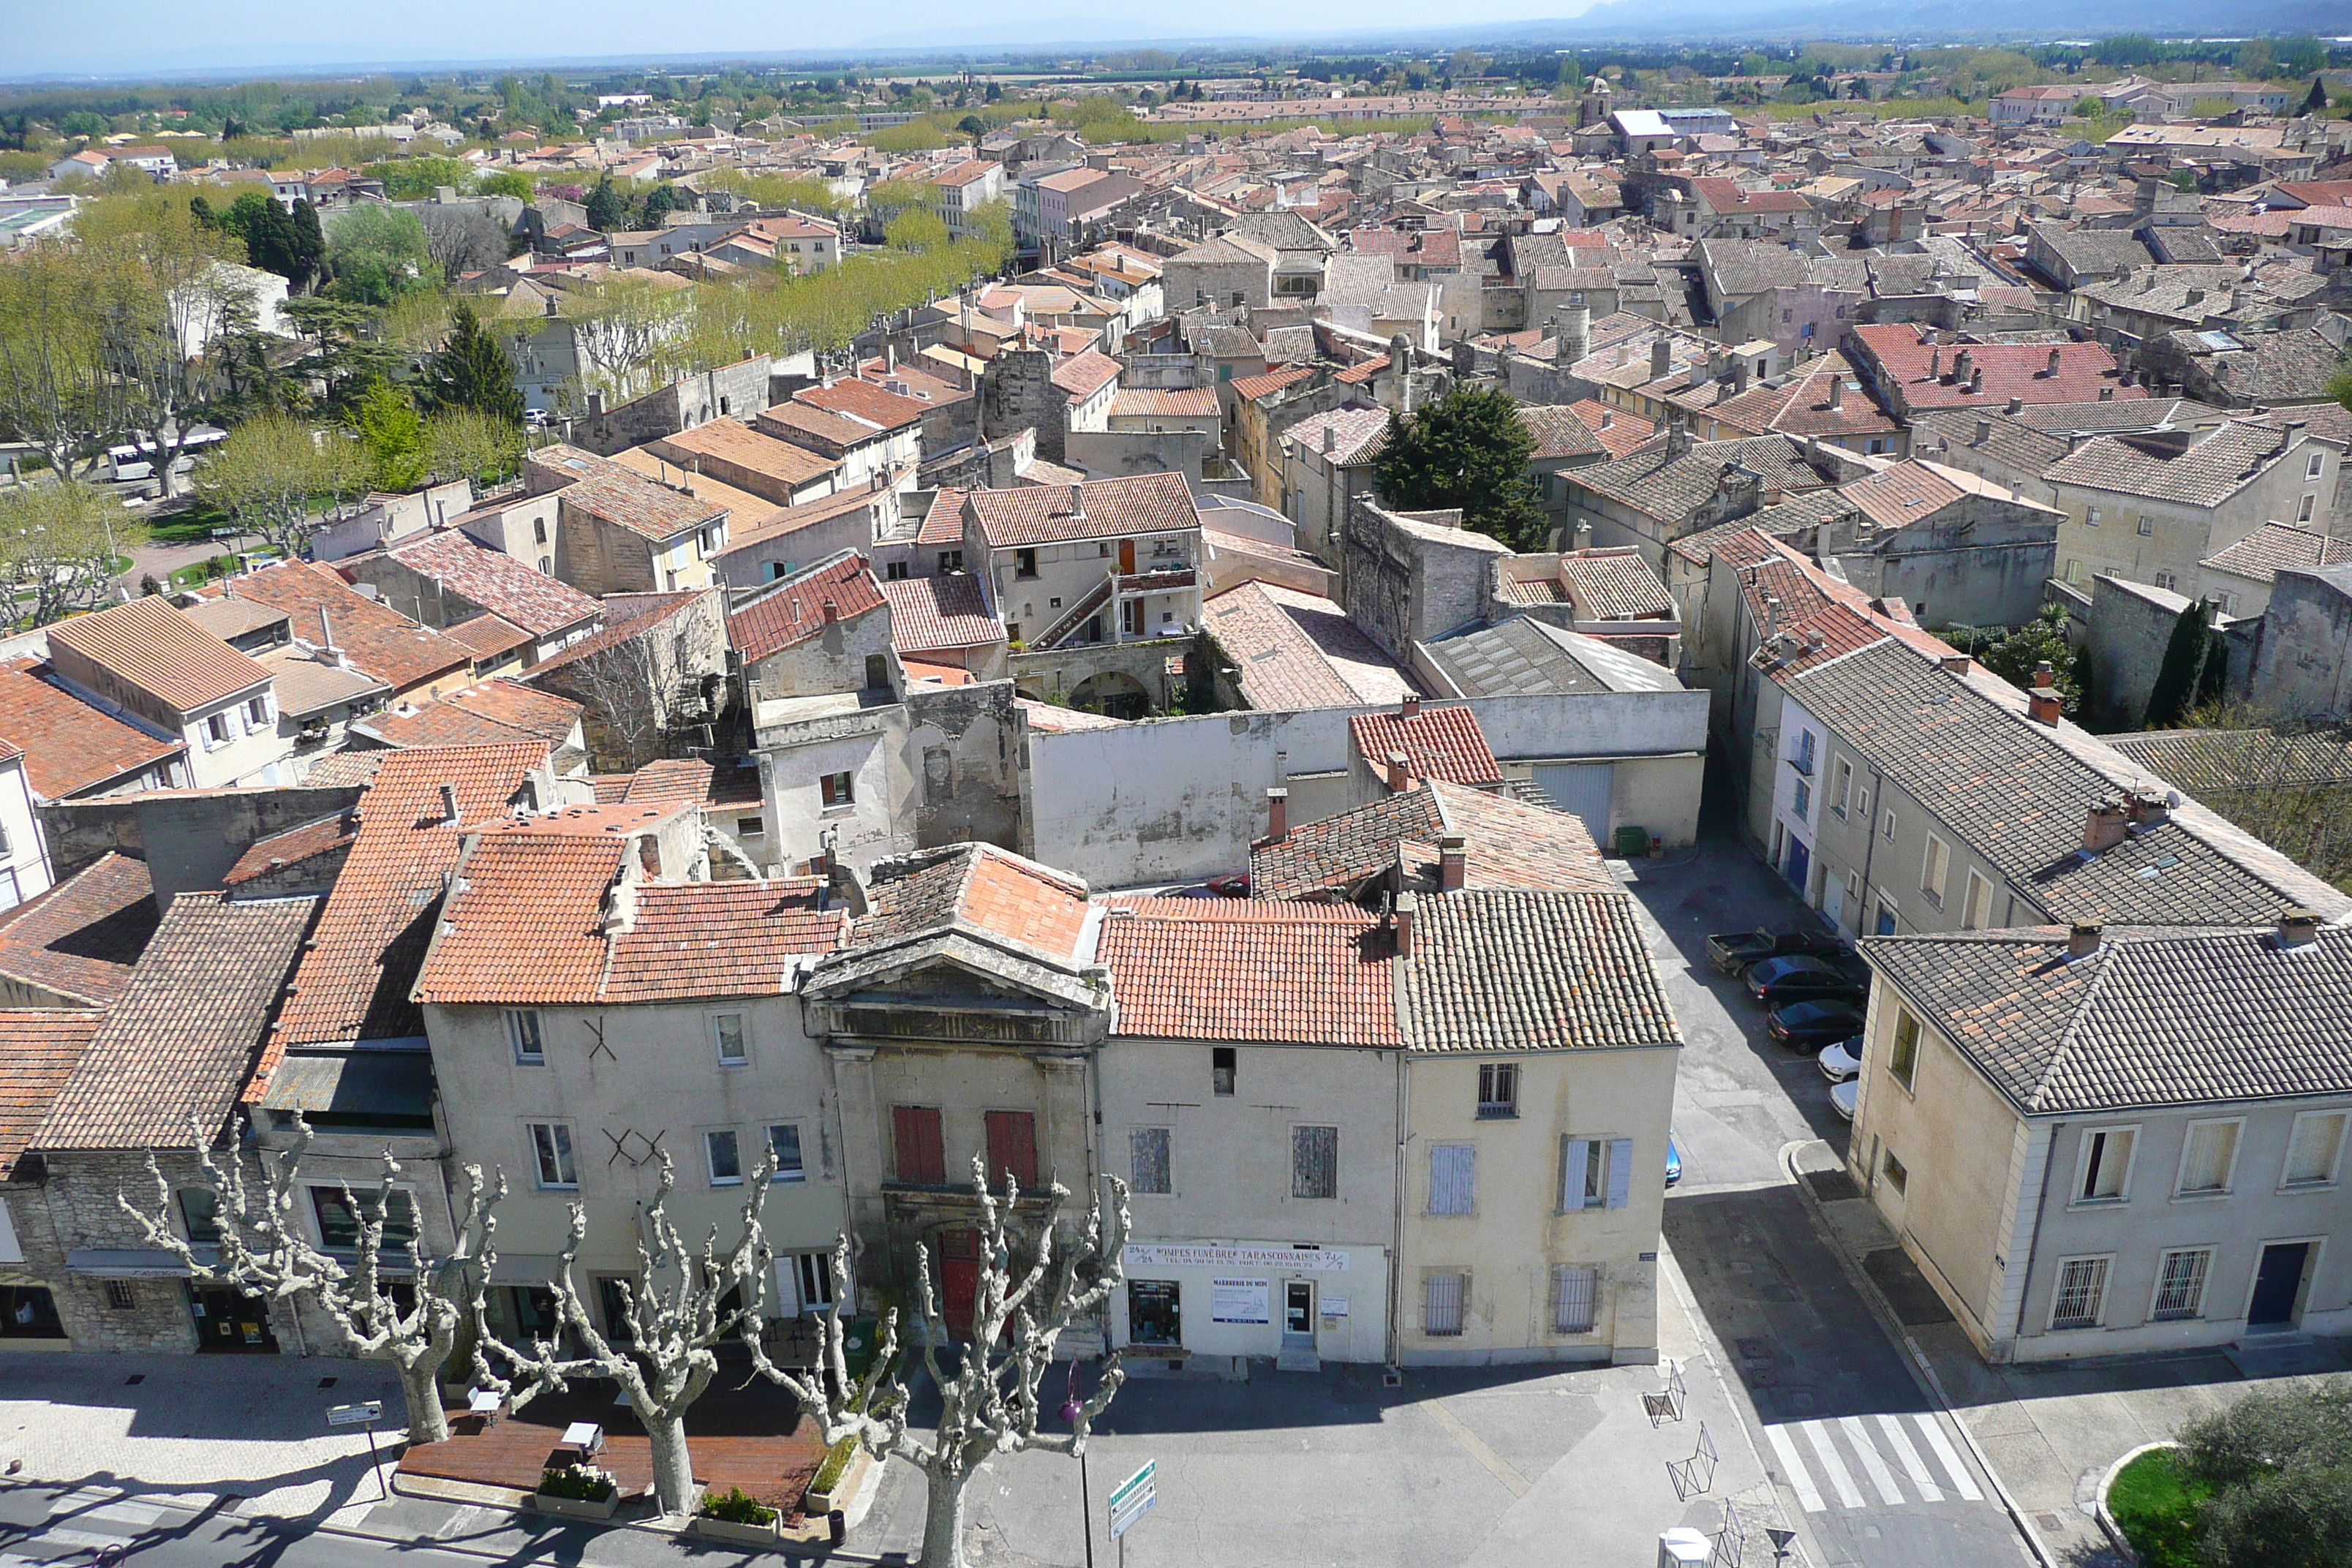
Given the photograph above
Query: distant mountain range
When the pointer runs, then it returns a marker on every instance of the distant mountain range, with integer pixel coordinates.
(1907, 19)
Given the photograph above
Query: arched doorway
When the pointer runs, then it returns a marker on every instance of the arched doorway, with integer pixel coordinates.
(1114, 692)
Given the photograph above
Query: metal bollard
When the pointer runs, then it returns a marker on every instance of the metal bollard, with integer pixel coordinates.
(838, 1523)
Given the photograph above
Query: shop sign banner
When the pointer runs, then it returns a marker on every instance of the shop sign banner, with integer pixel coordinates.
(1238, 1302)
(1279, 1260)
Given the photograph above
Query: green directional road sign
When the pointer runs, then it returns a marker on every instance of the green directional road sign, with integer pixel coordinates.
(1133, 1497)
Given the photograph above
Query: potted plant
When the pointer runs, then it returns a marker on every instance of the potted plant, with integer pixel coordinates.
(829, 1487)
(737, 1516)
(576, 1491)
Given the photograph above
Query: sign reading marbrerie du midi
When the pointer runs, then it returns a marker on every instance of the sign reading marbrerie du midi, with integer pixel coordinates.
(1238, 1300)
(1285, 1260)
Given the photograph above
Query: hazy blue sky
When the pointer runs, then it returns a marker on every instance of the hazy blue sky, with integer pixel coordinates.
(134, 36)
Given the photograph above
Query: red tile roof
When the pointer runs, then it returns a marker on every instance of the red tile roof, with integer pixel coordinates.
(1442, 742)
(1195, 969)
(866, 401)
(354, 983)
(81, 937)
(1614, 428)
(69, 746)
(1083, 376)
(324, 836)
(487, 637)
(1178, 403)
(720, 939)
(978, 885)
(377, 639)
(934, 613)
(1046, 514)
(794, 611)
(1250, 388)
(538, 604)
(39, 1049)
(484, 715)
(2021, 371)
(151, 645)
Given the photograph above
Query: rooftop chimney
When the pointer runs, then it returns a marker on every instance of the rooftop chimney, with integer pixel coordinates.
(2054, 363)
(832, 612)
(1406, 905)
(1408, 705)
(1581, 540)
(1399, 773)
(2016, 405)
(1976, 379)
(2106, 395)
(1330, 437)
(2042, 703)
(1960, 365)
(2149, 809)
(1453, 862)
(2081, 941)
(449, 804)
(2298, 927)
(1984, 433)
(1837, 391)
(2105, 826)
(889, 358)
(1935, 364)
(1955, 663)
(1662, 357)
(1277, 815)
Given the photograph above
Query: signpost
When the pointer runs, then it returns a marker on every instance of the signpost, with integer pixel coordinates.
(365, 1415)
(1130, 1501)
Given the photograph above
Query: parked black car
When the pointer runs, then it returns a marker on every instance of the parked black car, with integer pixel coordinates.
(1733, 951)
(1801, 978)
(1809, 1025)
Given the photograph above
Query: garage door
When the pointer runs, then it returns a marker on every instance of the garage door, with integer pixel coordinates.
(1581, 790)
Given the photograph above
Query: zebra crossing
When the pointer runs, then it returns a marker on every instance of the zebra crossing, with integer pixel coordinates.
(95, 1519)
(1880, 1447)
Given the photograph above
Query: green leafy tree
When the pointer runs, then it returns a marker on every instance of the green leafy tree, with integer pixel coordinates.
(2180, 679)
(608, 208)
(275, 476)
(973, 126)
(468, 443)
(2016, 654)
(307, 250)
(2315, 101)
(392, 433)
(473, 370)
(1468, 449)
(508, 183)
(60, 543)
(662, 201)
(378, 253)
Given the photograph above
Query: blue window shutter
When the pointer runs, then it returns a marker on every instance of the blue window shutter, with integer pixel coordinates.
(1621, 1170)
(1572, 1157)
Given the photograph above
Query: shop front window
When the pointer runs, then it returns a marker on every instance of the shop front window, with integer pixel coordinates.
(1154, 1312)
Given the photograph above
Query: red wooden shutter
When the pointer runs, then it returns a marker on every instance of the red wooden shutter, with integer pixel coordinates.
(922, 1154)
(1012, 1146)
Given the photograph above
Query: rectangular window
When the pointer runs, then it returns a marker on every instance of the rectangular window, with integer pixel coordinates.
(2207, 1157)
(121, 1297)
(2082, 1293)
(1898, 1175)
(339, 1222)
(896, 572)
(1314, 1162)
(1499, 1090)
(1887, 826)
(256, 712)
(216, 728)
(837, 789)
(1453, 1178)
(1024, 563)
(750, 827)
(1845, 785)
(1441, 1300)
(2092, 517)
(811, 1279)
(1575, 1298)
(1904, 1060)
(878, 672)
(551, 1145)
(522, 1031)
(2180, 1284)
(1223, 1068)
(1803, 805)
(1933, 868)
(784, 1144)
(2146, 525)
(1595, 1173)
(726, 1157)
(1012, 1147)
(2312, 1152)
(727, 1033)
(1147, 1160)
(1977, 905)
(921, 1155)
(2313, 465)
(2106, 1164)
(950, 561)
(2303, 513)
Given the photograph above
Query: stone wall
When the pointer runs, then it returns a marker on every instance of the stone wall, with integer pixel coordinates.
(2130, 627)
(189, 841)
(1018, 391)
(2302, 662)
(1409, 577)
(963, 745)
(732, 391)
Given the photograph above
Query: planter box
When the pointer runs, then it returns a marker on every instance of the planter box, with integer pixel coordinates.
(769, 1535)
(815, 1504)
(574, 1508)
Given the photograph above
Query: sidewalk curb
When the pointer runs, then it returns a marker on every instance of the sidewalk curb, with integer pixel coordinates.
(2107, 1521)
(1923, 1371)
(1711, 1345)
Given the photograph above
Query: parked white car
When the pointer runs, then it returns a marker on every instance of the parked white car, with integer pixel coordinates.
(1845, 1097)
(1843, 1060)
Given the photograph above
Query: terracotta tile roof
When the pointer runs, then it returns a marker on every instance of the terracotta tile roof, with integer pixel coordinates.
(745, 509)
(1195, 969)
(1172, 403)
(538, 604)
(377, 639)
(487, 636)
(81, 937)
(69, 746)
(153, 646)
(1511, 845)
(324, 836)
(787, 520)
(791, 612)
(1442, 742)
(2276, 546)
(944, 524)
(1615, 584)
(626, 616)
(493, 712)
(666, 780)
(1357, 435)
(1515, 844)
(1558, 433)
(2021, 371)
(720, 939)
(1250, 388)
(1046, 514)
(934, 613)
(795, 424)
(40, 1048)
(2218, 466)
(1621, 434)
(1505, 970)
(354, 983)
(1082, 375)
(541, 894)
(1297, 651)
(1360, 375)
(976, 885)
(618, 495)
(180, 1044)
(1671, 488)
(866, 401)
(1901, 495)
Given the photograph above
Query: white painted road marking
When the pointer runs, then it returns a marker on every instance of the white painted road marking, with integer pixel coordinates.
(1912, 1464)
(1934, 1432)
(1839, 1481)
(1798, 1479)
(1880, 1478)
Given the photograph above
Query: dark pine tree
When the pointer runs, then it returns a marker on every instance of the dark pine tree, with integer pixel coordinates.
(474, 370)
(1468, 449)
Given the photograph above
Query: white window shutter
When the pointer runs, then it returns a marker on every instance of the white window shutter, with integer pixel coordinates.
(1572, 1157)
(788, 1285)
(1621, 1170)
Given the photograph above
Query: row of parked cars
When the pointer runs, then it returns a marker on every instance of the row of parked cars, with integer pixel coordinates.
(1815, 991)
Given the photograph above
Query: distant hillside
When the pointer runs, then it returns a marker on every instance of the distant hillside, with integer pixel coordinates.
(1907, 19)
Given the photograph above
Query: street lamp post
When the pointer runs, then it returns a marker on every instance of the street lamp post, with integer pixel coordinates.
(1085, 1499)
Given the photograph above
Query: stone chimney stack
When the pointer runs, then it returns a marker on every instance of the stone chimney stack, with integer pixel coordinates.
(449, 804)
(2298, 927)
(1399, 773)
(2105, 826)
(1453, 862)
(1575, 336)
(1277, 815)
(1408, 705)
(1662, 358)
(2055, 358)
(1406, 905)
(1837, 391)
(2081, 941)
(2042, 703)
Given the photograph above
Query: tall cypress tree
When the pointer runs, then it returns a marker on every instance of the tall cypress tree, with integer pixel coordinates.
(2316, 101)
(306, 249)
(2179, 678)
(474, 370)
